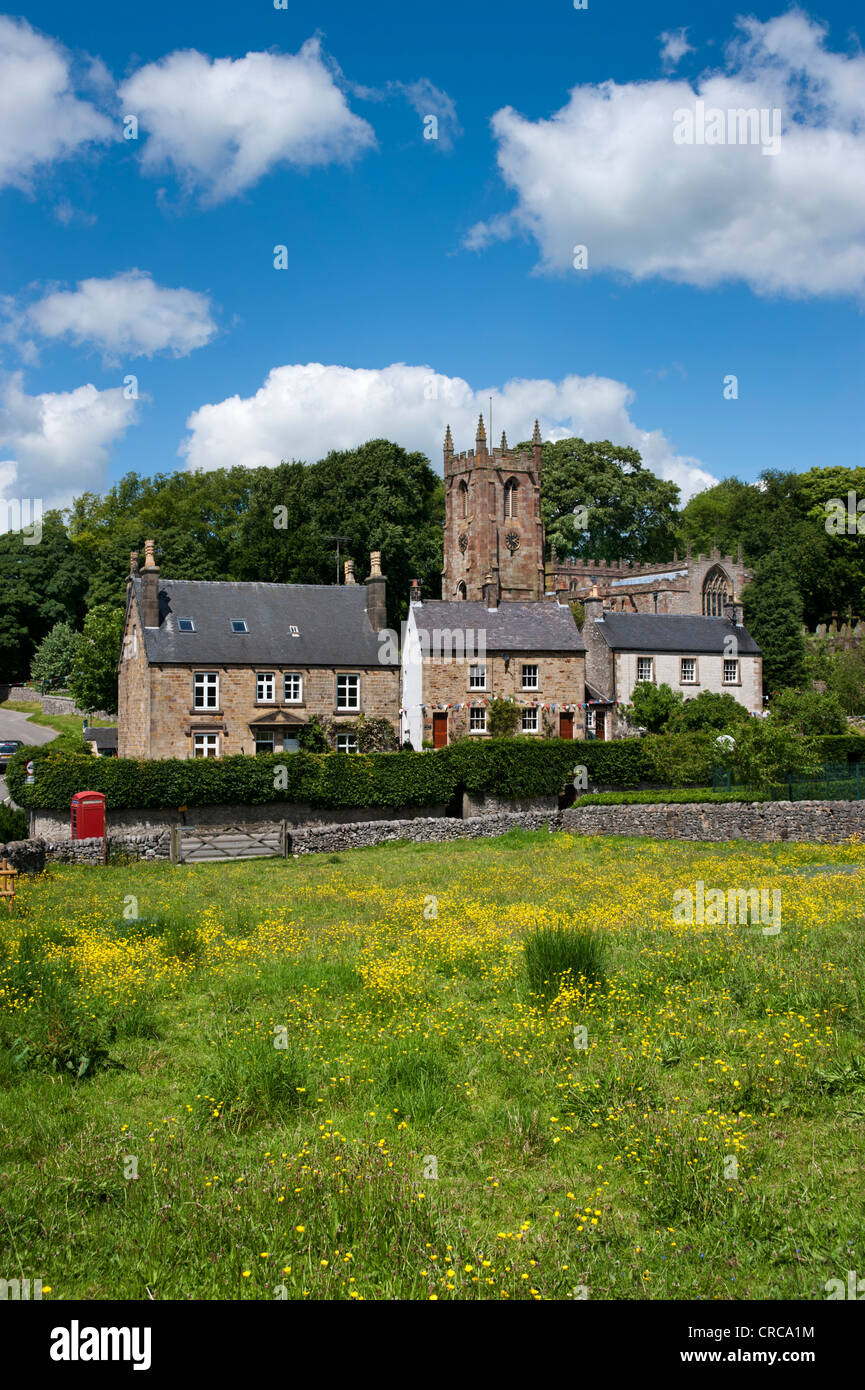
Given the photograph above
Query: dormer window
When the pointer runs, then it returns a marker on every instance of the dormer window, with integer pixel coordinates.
(239, 625)
(185, 625)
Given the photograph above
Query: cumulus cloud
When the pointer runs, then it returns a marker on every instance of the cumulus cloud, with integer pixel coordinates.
(128, 315)
(604, 172)
(41, 118)
(304, 410)
(58, 443)
(674, 46)
(222, 124)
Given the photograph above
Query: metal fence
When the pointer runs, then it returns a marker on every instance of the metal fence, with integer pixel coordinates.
(835, 782)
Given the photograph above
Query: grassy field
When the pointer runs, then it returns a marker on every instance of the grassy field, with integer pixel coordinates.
(336, 1077)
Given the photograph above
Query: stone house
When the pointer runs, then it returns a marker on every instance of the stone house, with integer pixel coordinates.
(209, 669)
(459, 655)
(688, 653)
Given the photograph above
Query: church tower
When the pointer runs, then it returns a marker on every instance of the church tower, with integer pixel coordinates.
(494, 535)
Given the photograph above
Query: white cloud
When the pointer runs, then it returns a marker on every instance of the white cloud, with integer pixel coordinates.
(427, 100)
(674, 46)
(302, 411)
(41, 118)
(604, 172)
(223, 123)
(58, 443)
(128, 315)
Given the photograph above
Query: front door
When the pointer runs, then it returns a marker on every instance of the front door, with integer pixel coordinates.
(566, 726)
(600, 724)
(440, 730)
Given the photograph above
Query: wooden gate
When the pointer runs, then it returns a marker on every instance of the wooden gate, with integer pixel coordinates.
(198, 844)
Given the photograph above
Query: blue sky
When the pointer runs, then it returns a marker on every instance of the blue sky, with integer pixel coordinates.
(424, 274)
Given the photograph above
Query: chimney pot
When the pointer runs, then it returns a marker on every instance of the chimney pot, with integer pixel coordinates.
(349, 572)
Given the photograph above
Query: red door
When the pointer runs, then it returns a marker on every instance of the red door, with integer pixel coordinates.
(566, 726)
(440, 730)
(600, 724)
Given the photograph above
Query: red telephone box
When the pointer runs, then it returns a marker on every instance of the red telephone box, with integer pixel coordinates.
(88, 816)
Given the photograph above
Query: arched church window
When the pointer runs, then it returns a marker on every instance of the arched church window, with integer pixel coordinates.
(716, 590)
(511, 498)
(464, 499)
(461, 590)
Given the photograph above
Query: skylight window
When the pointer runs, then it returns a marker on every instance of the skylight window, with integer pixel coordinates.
(295, 631)
(239, 625)
(185, 625)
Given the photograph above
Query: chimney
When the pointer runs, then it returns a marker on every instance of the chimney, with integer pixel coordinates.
(349, 572)
(734, 611)
(416, 593)
(594, 606)
(376, 594)
(150, 587)
(491, 591)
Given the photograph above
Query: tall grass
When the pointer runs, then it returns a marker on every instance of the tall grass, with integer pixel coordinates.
(557, 955)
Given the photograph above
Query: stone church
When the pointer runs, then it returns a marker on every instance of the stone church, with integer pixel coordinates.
(494, 634)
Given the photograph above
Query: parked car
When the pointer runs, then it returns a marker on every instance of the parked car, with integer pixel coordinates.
(7, 748)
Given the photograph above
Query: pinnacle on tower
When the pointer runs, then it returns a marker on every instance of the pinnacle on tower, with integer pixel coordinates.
(504, 442)
(449, 443)
(536, 437)
(481, 437)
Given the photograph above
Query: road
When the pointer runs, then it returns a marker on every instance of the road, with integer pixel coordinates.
(14, 724)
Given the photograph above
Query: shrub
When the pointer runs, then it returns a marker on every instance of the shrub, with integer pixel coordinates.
(809, 711)
(14, 825)
(708, 711)
(563, 955)
(677, 759)
(652, 706)
(503, 716)
(766, 753)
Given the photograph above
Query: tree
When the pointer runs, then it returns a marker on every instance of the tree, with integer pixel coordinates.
(773, 616)
(598, 501)
(53, 658)
(652, 706)
(93, 681)
(767, 752)
(809, 711)
(708, 711)
(40, 585)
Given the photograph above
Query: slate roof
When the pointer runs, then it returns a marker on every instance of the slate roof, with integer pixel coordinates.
(534, 626)
(333, 628)
(102, 737)
(672, 632)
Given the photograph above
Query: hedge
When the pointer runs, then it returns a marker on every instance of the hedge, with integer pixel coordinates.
(509, 768)
(682, 796)
(506, 767)
(839, 748)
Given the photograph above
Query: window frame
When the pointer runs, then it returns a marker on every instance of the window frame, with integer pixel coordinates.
(651, 675)
(210, 681)
(531, 666)
(480, 715)
(348, 676)
(736, 678)
(478, 666)
(292, 699)
(267, 737)
(260, 678)
(205, 739)
(688, 680)
(530, 712)
(348, 738)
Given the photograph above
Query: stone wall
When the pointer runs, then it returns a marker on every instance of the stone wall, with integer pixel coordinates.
(50, 825)
(51, 704)
(823, 822)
